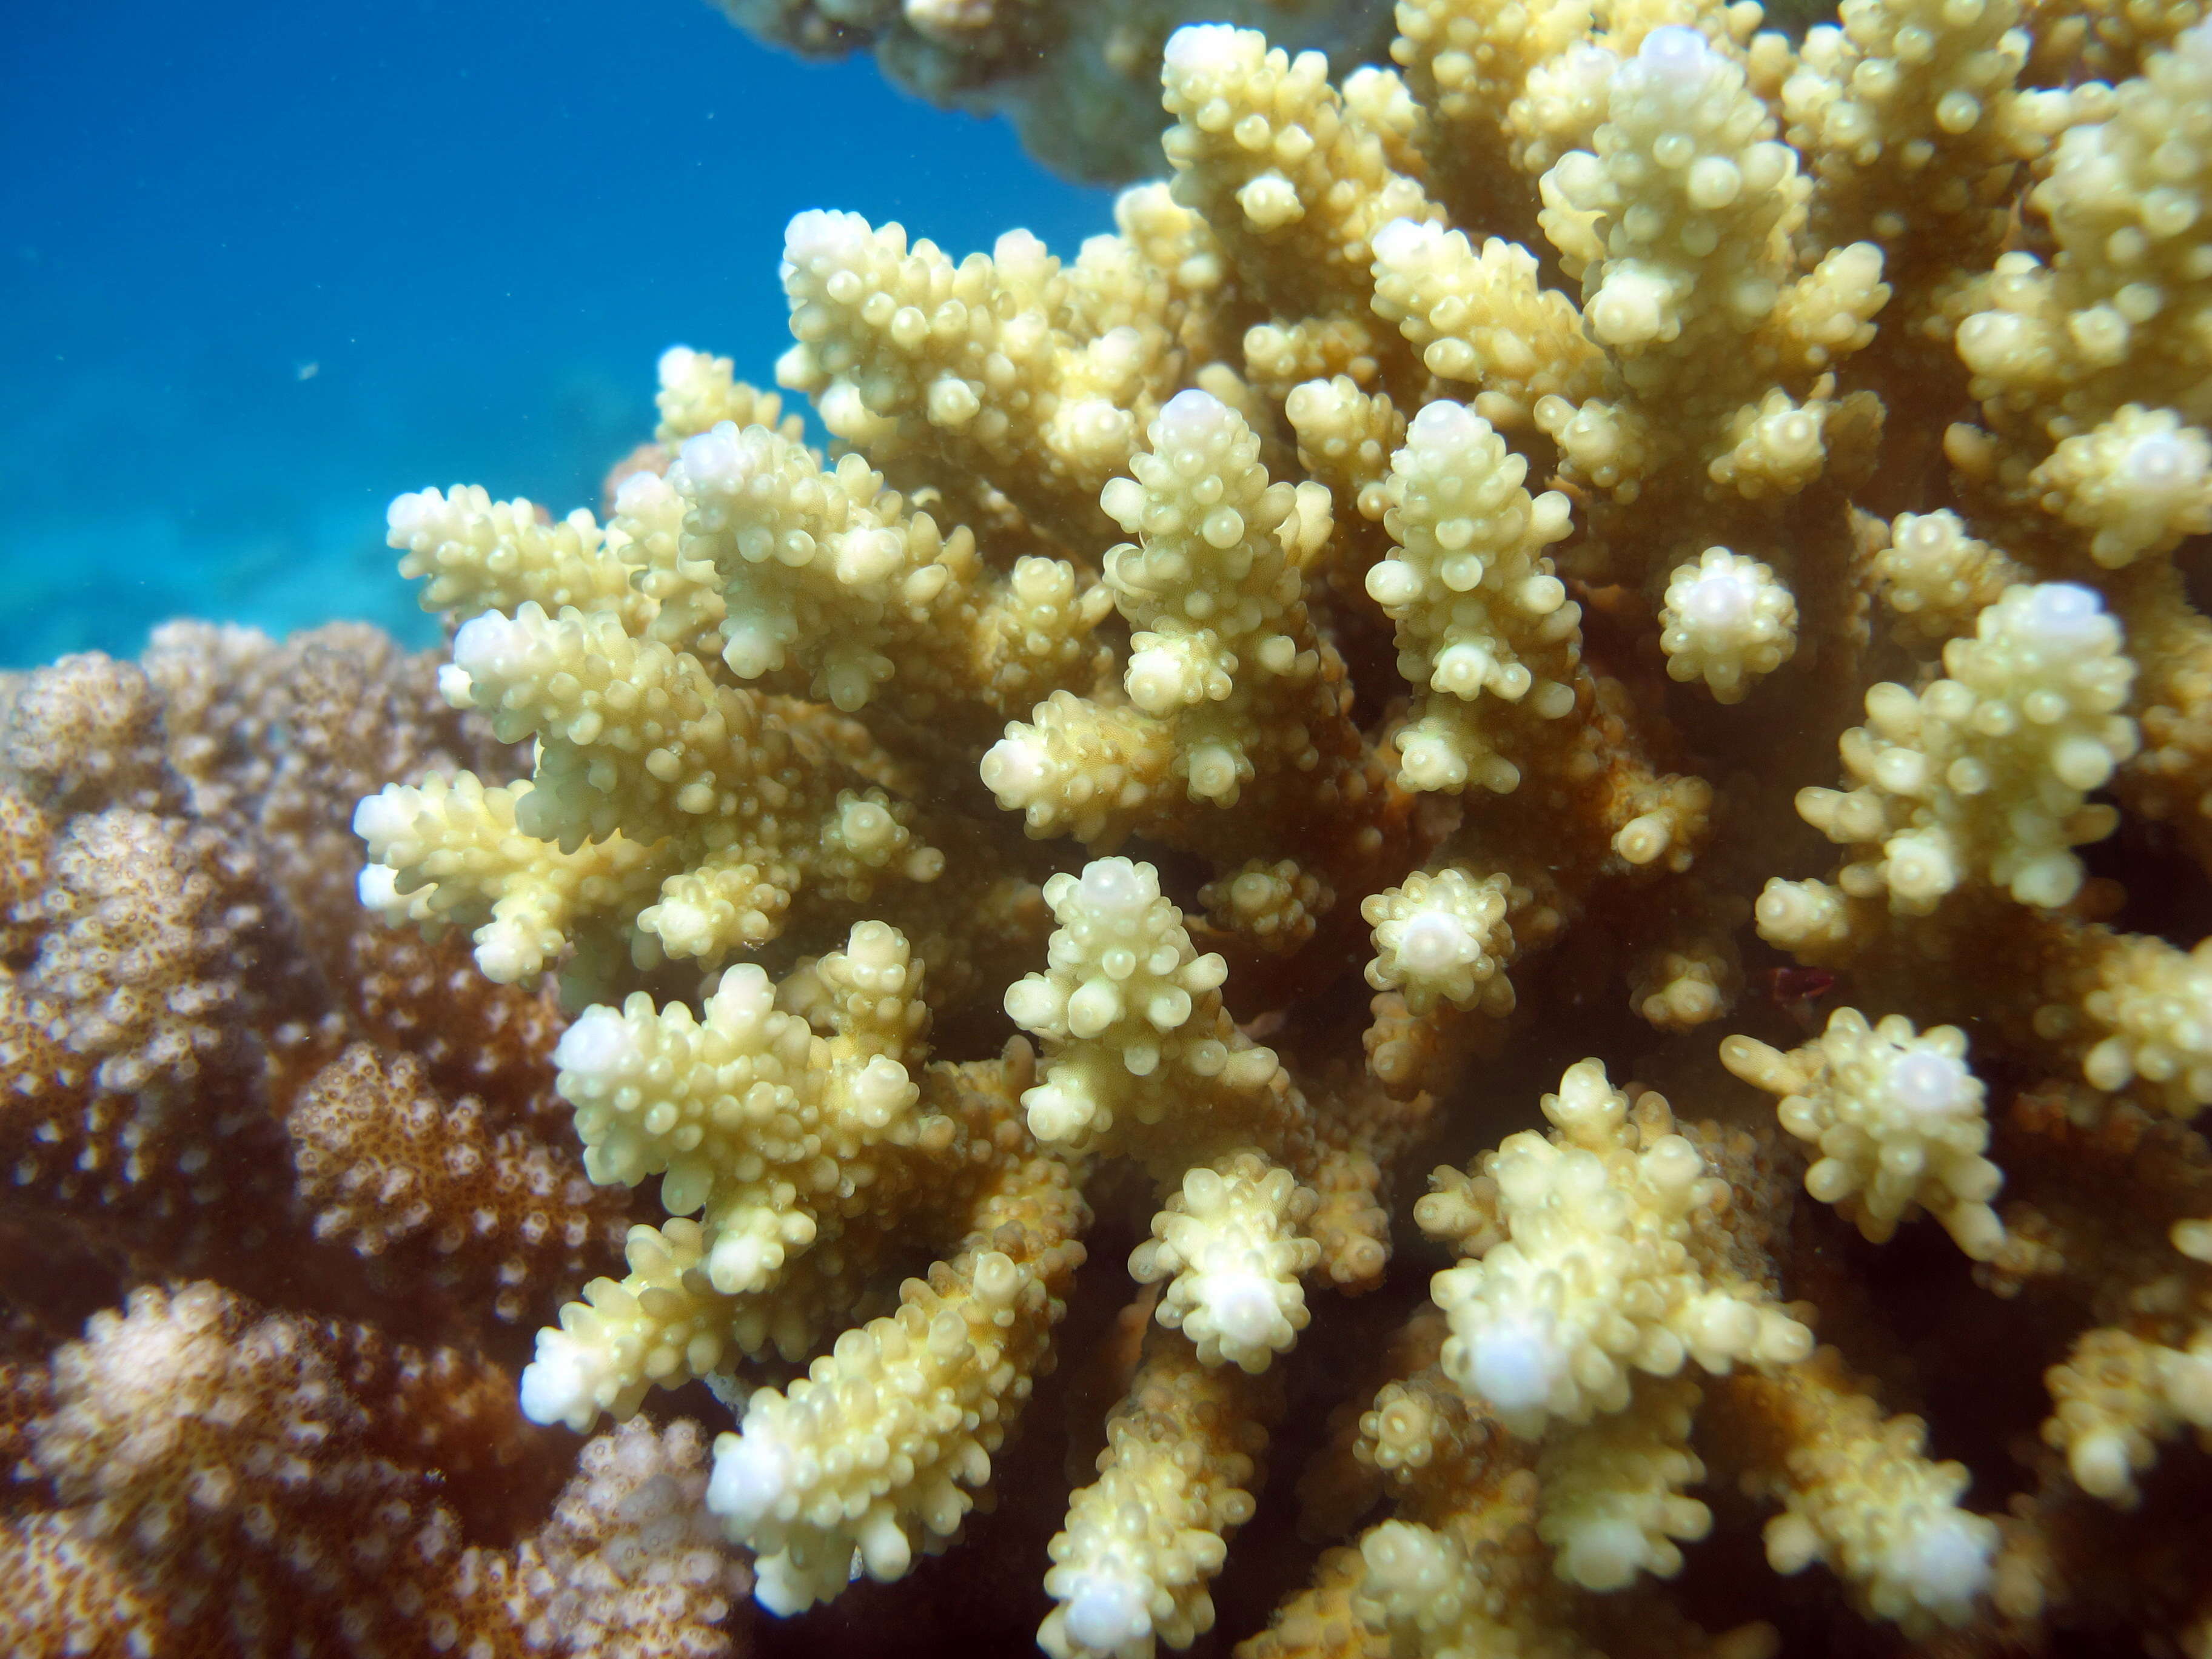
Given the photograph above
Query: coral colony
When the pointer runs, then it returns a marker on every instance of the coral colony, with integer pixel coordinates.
(1563, 677)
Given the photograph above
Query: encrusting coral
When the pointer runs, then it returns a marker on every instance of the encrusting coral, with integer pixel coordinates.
(1618, 511)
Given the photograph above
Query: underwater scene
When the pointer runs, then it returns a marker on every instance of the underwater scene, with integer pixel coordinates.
(1308, 829)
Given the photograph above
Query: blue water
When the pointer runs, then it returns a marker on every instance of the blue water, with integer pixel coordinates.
(266, 265)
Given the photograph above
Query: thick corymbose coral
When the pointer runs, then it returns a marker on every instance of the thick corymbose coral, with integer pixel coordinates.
(1466, 518)
(1624, 562)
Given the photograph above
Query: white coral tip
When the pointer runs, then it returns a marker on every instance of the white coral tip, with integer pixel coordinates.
(1930, 1084)
(407, 514)
(1015, 770)
(2064, 615)
(1114, 887)
(1945, 1564)
(489, 646)
(1201, 48)
(380, 818)
(1603, 1555)
(1403, 241)
(597, 1045)
(1723, 599)
(1446, 425)
(2158, 463)
(824, 234)
(714, 461)
(1434, 943)
(1677, 57)
(1514, 1362)
(1108, 1611)
(379, 887)
(1190, 417)
(751, 1476)
(1631, 306)
(555, 1389)
(1243, 1310)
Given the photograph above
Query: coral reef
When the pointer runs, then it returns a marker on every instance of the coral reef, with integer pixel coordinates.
(311, 1181)
(1604, 614)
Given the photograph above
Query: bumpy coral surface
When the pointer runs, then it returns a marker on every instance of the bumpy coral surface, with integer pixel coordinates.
(1604, 613)
(312, 1181)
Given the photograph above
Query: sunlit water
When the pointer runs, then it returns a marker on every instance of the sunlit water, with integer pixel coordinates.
(266, 265)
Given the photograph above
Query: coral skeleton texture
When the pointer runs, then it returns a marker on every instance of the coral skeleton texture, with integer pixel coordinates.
(1602, 616)
(311, 1181)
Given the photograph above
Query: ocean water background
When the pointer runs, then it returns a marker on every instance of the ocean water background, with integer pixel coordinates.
(266, 265)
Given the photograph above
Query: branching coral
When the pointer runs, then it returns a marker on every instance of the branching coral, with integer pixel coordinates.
(966, 854)
(1510, 598)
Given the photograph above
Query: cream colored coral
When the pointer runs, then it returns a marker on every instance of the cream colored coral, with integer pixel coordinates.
(1345, 437)
(1667, 819)
(1275, 905)
(1937, 578)
(483, 554)
(1232, 1246)
(2116, 1397)
(1898, 1119)
(1421, 1580)
(738, 1110)
(1613, 1504)
(450, 853)
(1302, 284)
(1779, 445)
(1469, 1584)
(1481, 317)
(1675, 210)
(1690, 977)
(1594, 1278)
(662, 1324)
(1220, 640)
(2138, 482)
(1823, 317)
(2131, 1011)
(871, 1458)
(1727, 620)
(996, 367)
(699, 390)
(1469, 63)
(635, 739)
(684, 595)
(1986, 773)
(1035, 635)
(1442, 936)
(1142, 1542)
(1906, 112)
(2117, 315)
(1295, 178)
(1480, 616)
(1085, 769)
(823, 564)
(1404, 1428)
(1859, 1494)
(1130, 1014)
(821, 581)
(1224, 661)
(2144, 1009)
